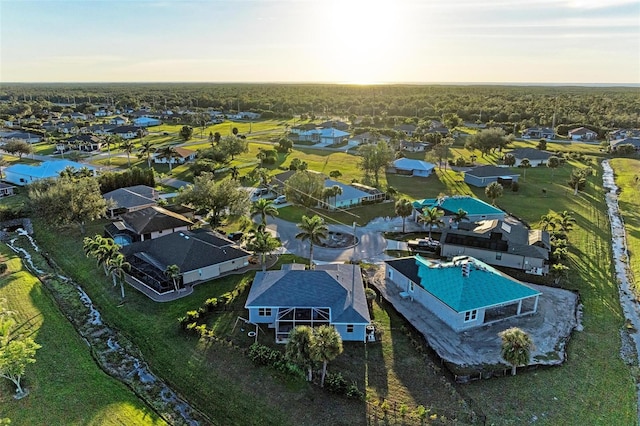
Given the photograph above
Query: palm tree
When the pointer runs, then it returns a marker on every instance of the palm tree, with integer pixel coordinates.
(460, 216)
(112, 140)
(264, 208)
(103, 249)
(146, 149)
(577, 180)
(404, 208)
(327, 193)
(548, 222)
(525, 164)
(128, 146)
(261, 155)
(169, 152)
(565, 221)
(509, 159)
(173, 272)
(3, 163)
(117, 267)
(494, 191)
(432, 217)
(235, 173)
(553, 162)
(261, 244)
(335, 191)
(299, 348)
(516, 347)
(327, 345)
(313, 229)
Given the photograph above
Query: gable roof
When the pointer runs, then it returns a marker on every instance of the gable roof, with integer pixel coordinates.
(531, 154)
(189, 250)
(184, 152)
(335, 286)
(451, 205)
(410, 164)
(490, 171)
(153, 219)
(348, 192)
(482, 287)
(132, 196)
(626, 141)
(581, 131)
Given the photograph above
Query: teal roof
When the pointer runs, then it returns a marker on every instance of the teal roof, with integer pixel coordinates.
(451, 205)
(483, 286)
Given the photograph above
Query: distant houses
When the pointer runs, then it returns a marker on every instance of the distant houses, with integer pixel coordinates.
(476, 209)
(538, 133)
(582, 134)
(536, 157)
(407, 166)
(23, 174)
(482, 176)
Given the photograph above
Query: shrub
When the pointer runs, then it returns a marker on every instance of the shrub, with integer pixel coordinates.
(335, 383)
(460, 162)
(3, 268)
(354, 392)
(192, 316)
(211, 303)
(227, 298)
(515, 186)
(263, 355)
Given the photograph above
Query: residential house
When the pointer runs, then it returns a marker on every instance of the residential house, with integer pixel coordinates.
(245, 115)
(367, 137)
(6, 189)
(129, 199)
(81, 142)
(505, 242)
(129, 132)
(118, 121)
(536, 157)
(407, 129)
(325, 136)
(464, 293)
(101, 129)
(145, 121)
(23, 174)
(340, 125)
(78, 116)
(582, 134)
(476, 209)
(146, 224)
(332, 294)
(538, 133)
(413, 146)
(410, 167)
(482, 176)
(68, 128)
(614, 144)
(624, 133)
(23, 136)
(102, 113)
(200, 256)
(302, 128)
(182, 155)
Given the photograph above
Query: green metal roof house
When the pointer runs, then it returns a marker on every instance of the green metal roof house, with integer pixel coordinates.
(464, 293)
(476, 209)
(331, 294)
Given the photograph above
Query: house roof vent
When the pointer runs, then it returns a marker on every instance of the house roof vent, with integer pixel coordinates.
(466, 269)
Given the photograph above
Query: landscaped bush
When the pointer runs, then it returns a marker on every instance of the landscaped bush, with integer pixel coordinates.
(263, 355)
(3, 268)
(515, 186)
(335, 383)
(211, 303)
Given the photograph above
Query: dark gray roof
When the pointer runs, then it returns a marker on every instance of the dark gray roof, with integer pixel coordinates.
(507, 236)
(189, 250)
(407, 266)
(630, 141)
(335, 286)
(132, 196)
(153, 219)
(490, 171)
(531, 154)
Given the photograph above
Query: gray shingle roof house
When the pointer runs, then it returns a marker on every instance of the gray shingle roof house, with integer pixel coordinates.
(130, 199)
(148, 223)
(331, 294)
(200, 255)
(538, 133)
(536, 157)
(464, 293)
(501, 243)
(482, 176)
(625, 141)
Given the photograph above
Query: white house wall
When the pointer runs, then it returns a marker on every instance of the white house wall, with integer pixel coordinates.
(487, 256)
(359, 333)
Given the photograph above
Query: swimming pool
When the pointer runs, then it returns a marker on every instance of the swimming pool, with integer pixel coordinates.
(122, 240)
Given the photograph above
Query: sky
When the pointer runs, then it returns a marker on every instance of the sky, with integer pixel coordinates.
(334, 41)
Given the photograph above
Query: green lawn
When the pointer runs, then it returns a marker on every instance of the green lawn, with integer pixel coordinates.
(627, 172)
(66, 386)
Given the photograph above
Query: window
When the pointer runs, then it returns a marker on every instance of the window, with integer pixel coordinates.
(264, 312)
(470, 315)
(411, 286)
(498, 256)
(349, 328)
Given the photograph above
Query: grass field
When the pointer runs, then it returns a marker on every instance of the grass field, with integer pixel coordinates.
(66, 386)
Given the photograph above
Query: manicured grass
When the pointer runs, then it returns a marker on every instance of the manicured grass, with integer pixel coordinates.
(593, 386)
(65, 384)
(627, 172)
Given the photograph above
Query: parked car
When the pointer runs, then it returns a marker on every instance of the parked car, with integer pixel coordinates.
(424, 244)
(280, 200)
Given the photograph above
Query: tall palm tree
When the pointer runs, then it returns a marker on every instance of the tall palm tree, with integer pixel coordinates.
(299, 348)
(577, 179)
(313, 229)
(117, 267)
(169, 152)
(146, 149)
(128, 146)
(261, 244)
(565, 221)
(525, 164)
(102, 249)
(235, 172)
(432, 217)
(548, 222)
(553, 163)
(516, 347)
(460, 216)
(335, 191)
(404, 208)
(327, 345)
(494, 191)
(173, 272)
(264, 208)
(327, 193)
